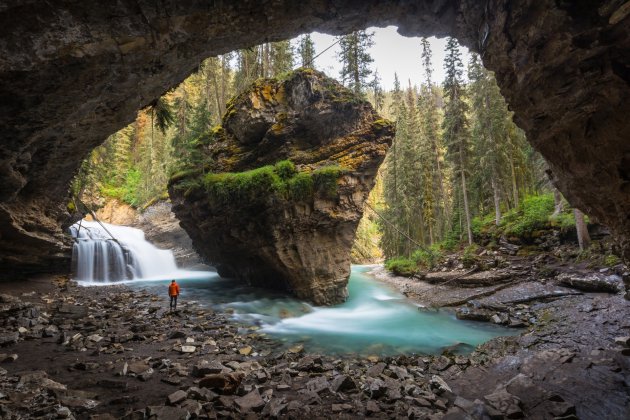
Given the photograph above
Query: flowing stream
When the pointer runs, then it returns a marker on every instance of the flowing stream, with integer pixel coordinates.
(376, 319)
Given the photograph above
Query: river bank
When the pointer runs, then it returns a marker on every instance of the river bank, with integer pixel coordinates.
(113, 352)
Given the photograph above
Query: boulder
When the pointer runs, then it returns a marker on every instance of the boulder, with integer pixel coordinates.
(591, 282)
(284, 184)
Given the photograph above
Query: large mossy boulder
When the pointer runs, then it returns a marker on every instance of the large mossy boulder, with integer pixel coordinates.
(280, 189)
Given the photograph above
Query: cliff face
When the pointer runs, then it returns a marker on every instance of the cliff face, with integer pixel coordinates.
(281, 193)
(74, 72)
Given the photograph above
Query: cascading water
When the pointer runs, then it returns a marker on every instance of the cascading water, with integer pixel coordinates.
(98, 256)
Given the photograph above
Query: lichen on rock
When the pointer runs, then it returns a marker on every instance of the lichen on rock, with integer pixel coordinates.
(281, 191)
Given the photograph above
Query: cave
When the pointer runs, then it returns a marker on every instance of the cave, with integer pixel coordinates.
(75, 72)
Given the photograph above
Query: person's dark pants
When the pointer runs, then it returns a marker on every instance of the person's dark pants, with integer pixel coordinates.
(173, 304)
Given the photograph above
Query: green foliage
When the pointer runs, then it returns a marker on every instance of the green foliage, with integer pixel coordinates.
(253, 185)
(611, 260)
(427, 258)
(300, 186)
(162, 113)
(470, 257)
(128, 191)
(325, 179)
(565, 221)
(281, 180)
(285, 169)
(401, 266)
(533, 215)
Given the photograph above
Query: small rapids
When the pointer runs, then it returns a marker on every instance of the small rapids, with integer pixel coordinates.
(374, 320)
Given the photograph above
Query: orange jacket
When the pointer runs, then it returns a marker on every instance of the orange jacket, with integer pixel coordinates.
(173, 289)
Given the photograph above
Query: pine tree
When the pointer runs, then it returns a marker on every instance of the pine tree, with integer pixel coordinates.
(356, 60)
(455, 125)
(281, 58)
(440, 214)
(377, 92)
(306, 51)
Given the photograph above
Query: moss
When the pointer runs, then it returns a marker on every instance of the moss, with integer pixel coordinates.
(381, 124)
(285, 169)
(611, 260)
(300, 186)
(281, 180)
(326, 179)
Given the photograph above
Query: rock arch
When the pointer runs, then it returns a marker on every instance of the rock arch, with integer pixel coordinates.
(74, 72)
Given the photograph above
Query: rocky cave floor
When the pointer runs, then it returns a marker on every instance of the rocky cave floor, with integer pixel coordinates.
(110, 352)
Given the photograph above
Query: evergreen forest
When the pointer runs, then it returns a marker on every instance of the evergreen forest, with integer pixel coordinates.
(460, 172)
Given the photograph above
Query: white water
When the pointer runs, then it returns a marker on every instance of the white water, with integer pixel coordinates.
(97, 257)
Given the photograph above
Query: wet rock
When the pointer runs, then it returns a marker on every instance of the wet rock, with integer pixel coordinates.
(318, 385)
(250, 402)
(9, 338)
(438, 385)
(194, 408)
(176, 397)
(343, 383)
(372, 407)
(623, 341)
(376, 370)
(441, 363)
(375, 388)
(224, 383)
(591, 282)
(167, 413)
(274, 408)
(204, 367)
(202, 394)
(138, 368)
(506, 403)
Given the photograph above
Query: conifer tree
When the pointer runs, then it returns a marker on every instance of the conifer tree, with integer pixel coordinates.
(306, 51)
(355, 60)
(281, 58)
(455, 125)
(439, 214)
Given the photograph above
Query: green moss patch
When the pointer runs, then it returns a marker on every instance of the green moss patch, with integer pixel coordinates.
(281, 180)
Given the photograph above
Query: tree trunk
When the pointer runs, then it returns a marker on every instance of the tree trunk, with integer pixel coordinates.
(582, 231)
(497, 201)
(514, 186)
(465, 195)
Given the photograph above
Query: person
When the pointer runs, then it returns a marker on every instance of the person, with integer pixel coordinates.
(173, 292)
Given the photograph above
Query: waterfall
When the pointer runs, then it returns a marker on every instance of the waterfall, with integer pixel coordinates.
(97, 257)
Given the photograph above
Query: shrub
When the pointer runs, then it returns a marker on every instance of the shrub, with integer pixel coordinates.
(427, 257)
(536, 211)
(469, 257)
(401, 266)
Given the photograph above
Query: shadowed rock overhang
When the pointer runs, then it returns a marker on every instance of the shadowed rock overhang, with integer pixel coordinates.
(74, 72)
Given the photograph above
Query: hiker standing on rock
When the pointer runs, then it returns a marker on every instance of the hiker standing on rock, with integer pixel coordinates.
(173, 292)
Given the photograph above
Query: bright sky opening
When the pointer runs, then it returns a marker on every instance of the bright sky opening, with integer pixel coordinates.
(392, 53)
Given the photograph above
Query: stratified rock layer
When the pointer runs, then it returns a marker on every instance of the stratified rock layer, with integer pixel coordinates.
(290, 226)
(72, 73)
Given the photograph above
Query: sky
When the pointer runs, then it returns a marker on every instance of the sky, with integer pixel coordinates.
(392, 53)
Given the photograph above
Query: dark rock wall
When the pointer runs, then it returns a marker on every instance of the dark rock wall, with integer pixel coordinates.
(72, 73)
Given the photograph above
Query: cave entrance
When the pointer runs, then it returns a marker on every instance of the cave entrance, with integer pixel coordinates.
(547, 58)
